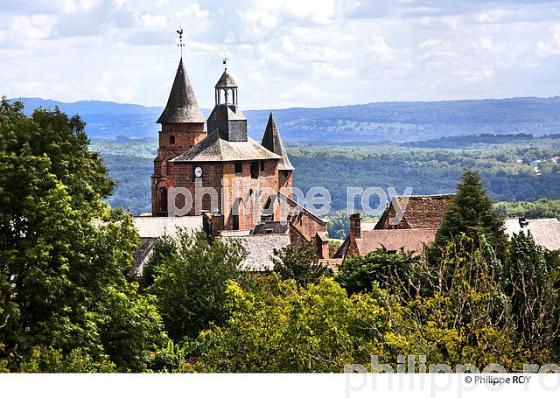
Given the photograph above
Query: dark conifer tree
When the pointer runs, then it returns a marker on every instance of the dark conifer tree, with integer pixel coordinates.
(471, 213)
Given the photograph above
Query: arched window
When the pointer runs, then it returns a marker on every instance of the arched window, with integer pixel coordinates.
(172, 139)
(163, 199)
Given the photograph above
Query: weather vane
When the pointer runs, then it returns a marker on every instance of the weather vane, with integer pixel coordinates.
(225, 61)
(181, 44)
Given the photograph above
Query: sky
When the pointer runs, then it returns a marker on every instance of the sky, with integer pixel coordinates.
(287, 53)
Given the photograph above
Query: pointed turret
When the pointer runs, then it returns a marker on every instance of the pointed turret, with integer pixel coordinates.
(182, 106)
(272, 141)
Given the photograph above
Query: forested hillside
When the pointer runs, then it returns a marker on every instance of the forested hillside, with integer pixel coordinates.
(373, 123)
(514, 170)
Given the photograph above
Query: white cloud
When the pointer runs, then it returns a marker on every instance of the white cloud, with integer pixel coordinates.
(154, 20)
(34, 27)
(194, 11)
(381, 50)
(361, 50)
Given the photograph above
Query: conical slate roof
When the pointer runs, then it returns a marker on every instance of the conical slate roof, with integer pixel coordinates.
(226, 81)
(182, 106)
(272, 141)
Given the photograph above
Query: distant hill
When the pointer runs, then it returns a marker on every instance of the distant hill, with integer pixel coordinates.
(370, 123)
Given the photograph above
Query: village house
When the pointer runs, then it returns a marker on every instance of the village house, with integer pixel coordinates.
(421, 217)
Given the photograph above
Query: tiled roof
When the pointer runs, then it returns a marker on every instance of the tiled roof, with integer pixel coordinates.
(226, 81)
(272, 141)
(414, 240)
(421, 211)
(395, 239)
(545, 231)
(225, 112)
(182, 106)
(260, 249)
(215, 149)
(154, 227)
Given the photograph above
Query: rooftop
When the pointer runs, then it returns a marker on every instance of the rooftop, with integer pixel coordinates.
(260, 249)
(154, 227)
(545, 231)
(421, 211)
(395, 239)
(215, 149)
(182, 106)
(226, 81)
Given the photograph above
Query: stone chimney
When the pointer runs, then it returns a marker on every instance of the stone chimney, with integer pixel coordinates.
(355, 226)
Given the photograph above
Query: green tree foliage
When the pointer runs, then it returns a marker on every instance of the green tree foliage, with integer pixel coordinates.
(542, 208)
(164, 249)
(505, 169)
(464, 317)
(283, 328)
(300, 264)
(190, 287)
(63, 274)
(50, 360)
(339, 224)
(533, 287)
(392, 271)
(471, 213)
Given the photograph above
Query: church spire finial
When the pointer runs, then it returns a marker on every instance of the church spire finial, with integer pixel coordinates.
(181, 44)
(225, 61)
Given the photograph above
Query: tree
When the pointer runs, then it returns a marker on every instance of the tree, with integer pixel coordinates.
(393, 271)
(533, 287)
(64, 254)
(300, 264)
(164, 249)
(190, 286)
(465, 318)
(472, 214)
(282, 327)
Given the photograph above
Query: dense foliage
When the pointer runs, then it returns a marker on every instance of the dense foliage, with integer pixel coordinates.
(190, 286)
(542, 208)
(299, 263)
(64, 255)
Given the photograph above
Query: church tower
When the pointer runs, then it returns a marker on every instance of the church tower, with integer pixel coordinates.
(182, 126)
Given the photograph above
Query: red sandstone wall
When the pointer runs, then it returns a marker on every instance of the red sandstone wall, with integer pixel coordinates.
(185, 135)
(212, 175)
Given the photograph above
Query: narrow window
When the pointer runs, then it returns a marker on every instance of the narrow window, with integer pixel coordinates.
(238, 168)
(163, 199)
(235, 222)
(172, 139)
(254, 169)
(262, 166)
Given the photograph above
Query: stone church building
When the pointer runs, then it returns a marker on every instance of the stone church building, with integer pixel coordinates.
(209, 175)
(246, 176)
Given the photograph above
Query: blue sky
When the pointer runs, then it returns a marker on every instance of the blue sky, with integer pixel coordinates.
(283, 53)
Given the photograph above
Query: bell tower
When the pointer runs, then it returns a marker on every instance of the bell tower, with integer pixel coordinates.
(182, 126)
(226, 118)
